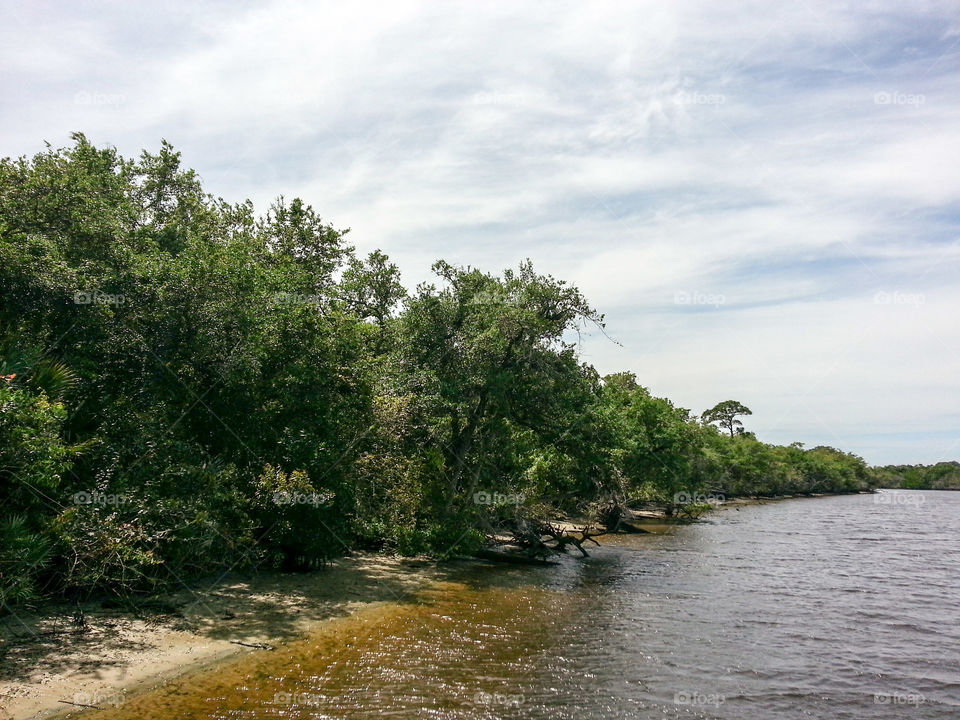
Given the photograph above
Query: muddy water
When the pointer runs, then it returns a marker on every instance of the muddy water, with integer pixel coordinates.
(833, 608)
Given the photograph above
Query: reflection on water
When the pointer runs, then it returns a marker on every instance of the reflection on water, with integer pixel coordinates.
(834, 608)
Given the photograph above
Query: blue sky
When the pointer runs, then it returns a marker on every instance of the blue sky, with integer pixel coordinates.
(763, 198)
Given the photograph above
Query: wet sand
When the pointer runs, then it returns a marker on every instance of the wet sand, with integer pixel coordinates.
(45, 659)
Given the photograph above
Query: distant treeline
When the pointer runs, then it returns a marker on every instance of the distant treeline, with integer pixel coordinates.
(188, 388)
(942, 476)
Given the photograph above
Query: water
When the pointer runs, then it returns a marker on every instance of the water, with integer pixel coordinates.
(840, 607)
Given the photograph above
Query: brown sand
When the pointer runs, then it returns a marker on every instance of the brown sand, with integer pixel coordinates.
(44, 659)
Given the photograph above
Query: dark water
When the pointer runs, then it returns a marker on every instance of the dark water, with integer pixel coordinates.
(841, 607)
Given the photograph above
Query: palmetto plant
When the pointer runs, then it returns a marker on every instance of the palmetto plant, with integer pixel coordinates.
(29, 366)
(23, 554)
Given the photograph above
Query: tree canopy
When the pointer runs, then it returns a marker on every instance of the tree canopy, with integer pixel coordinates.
(186, 387)
(725, 414)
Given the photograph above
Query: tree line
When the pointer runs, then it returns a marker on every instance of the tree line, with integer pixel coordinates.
(939, 476)
(187, 387)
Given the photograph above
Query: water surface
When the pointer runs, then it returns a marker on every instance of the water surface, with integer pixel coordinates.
(839, 607)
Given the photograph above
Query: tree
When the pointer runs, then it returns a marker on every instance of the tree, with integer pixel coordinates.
(487, 359)
(372, 290)
(725, 415)
(656, 442)
(185, 385)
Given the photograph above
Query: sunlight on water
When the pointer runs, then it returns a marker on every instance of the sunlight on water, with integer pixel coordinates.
(455, 651)
(841, 608)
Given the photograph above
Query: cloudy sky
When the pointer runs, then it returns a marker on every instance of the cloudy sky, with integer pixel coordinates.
(763, 198)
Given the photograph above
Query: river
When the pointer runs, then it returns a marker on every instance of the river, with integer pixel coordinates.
(835, 608)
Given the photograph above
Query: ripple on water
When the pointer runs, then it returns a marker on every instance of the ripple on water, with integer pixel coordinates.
(840, 608)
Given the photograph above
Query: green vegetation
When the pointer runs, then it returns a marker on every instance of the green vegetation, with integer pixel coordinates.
(942, 476)
(188, 388)
(726, 414)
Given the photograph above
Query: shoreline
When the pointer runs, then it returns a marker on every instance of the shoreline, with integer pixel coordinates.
(44, 659)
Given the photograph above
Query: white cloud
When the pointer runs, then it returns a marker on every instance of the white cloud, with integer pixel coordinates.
(794, 158)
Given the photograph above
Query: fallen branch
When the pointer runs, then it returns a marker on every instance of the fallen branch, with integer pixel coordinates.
(513, 558)
(67, 702)
(255, 646)
(563, 537)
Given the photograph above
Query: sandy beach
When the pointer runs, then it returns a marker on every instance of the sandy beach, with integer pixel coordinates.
(46, 662)
(50, 667)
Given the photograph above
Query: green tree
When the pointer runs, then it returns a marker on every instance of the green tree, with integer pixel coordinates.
(657, 442)
(198, 361)
(371, 289)
(726, 414)
(488, 358)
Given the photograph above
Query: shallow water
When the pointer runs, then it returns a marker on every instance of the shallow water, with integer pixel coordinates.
(839, 607)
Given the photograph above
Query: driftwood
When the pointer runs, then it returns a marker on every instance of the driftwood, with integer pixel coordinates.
(564, 537)
(255, 646)
(513, 558)
(67, 702)
(537, 540)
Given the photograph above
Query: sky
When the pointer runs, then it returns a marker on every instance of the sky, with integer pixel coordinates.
(762, 198)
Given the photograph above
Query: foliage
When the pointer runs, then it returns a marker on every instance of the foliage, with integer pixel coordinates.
(940, 476)
(186, 388)
(23, 555)
(725, 415)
